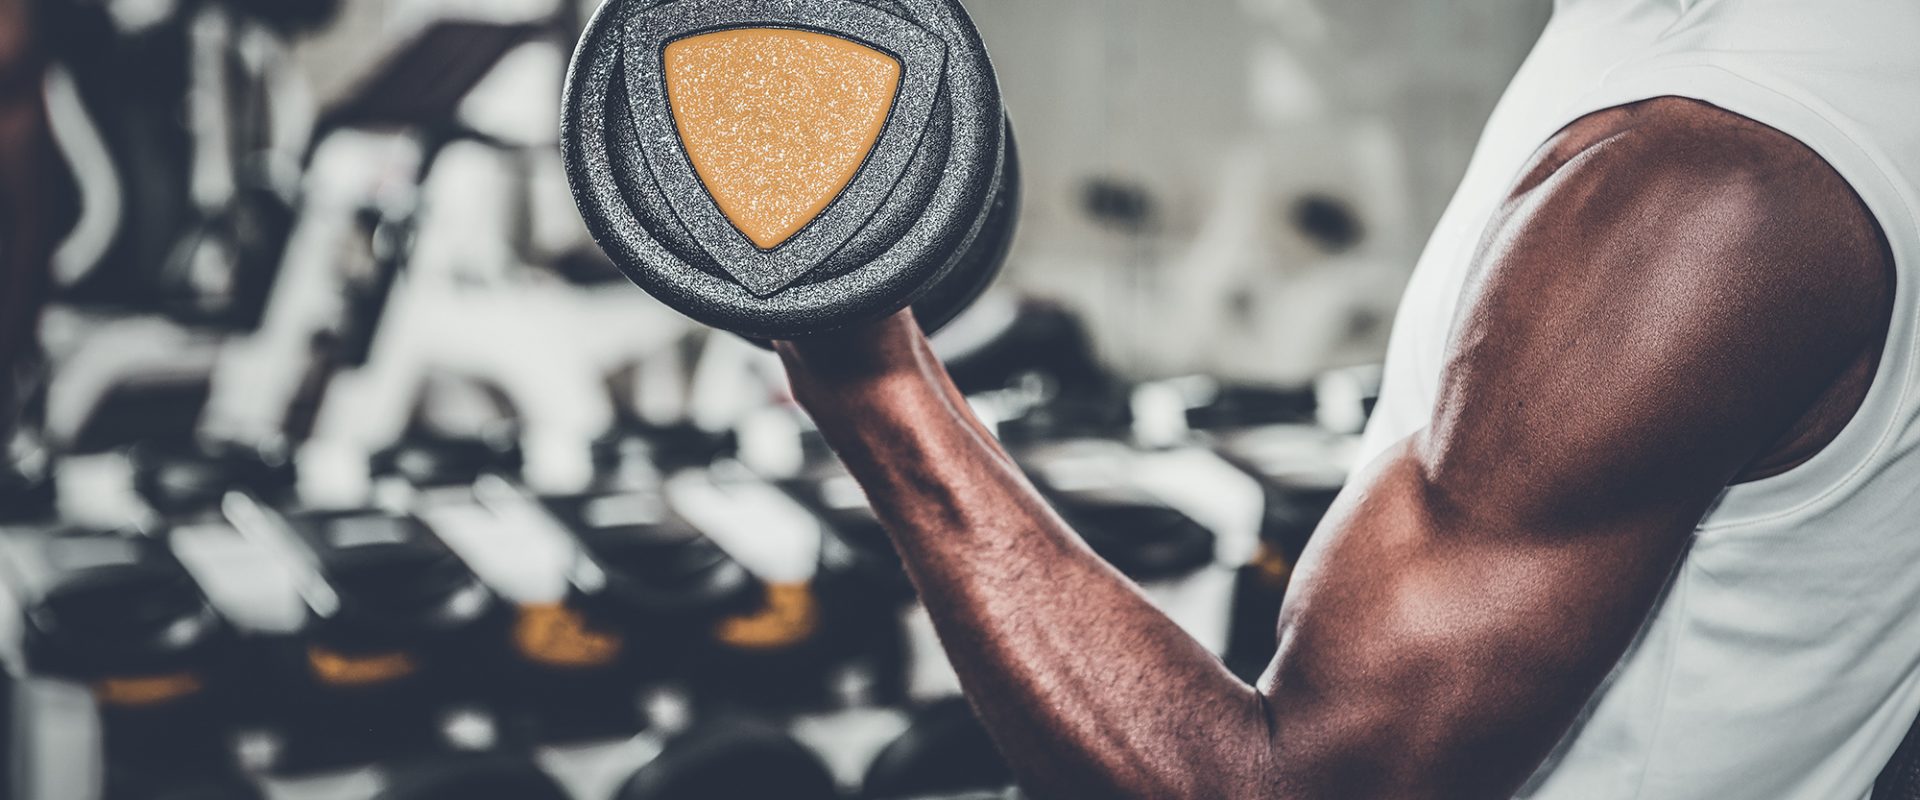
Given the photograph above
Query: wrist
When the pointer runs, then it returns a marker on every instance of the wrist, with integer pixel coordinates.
(863, 365)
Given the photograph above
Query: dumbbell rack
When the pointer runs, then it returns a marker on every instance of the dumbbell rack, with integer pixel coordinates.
(523, 554)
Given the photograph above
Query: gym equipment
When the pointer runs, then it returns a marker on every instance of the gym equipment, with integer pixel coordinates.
(1138, 534)
(26, 492)
(864, 590)
(157, 407)
(1241, 405)
(400, 631)
(178, 481)
(428, 459)
(666, 448)
(125, 786)
(875, 171)
(826, 644)
(116, 610)
(643, 565)
(730, 757)
(288, 16)
(944, 752)
(1026, 339)
(472, 777)
(1300, 475)
(644, 588)
(421, 85)
(173, 143)
(856, 553)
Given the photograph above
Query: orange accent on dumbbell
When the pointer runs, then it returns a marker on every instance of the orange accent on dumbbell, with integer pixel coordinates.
(337, 669)
(146, 690)
(557, 636)
(790, 616)
(1272, 566)
(777, 121)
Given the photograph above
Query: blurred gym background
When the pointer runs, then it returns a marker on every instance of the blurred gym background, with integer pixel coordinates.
(345, 466)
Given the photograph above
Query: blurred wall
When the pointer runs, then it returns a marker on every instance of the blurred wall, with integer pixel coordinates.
(1222, 114)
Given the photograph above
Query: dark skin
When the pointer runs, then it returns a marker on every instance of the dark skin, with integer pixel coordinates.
(25, 156)
(1673, 299)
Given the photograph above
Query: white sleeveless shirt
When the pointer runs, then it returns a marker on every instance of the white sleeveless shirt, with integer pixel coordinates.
(1784, 661)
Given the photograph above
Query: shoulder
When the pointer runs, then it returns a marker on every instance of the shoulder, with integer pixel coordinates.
(1695, 181)
(1668, 288)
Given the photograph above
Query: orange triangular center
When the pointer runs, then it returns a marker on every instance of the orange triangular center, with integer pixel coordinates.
(777, 121)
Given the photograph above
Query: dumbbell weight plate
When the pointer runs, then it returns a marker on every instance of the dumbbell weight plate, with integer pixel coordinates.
(472, 777)
(945, 752)
(876, 172)
(729, 758)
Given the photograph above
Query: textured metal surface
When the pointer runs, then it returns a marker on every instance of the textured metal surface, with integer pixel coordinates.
(912, 215)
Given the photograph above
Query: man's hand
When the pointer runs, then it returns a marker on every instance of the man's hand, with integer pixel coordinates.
(1674, 299)
(827, 367)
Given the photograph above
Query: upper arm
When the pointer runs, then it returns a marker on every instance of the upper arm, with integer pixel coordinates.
(1651, 310)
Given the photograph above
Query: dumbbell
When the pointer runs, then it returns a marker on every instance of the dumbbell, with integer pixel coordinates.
(1006, 345)
(813, 642)
(944, 752)
(1301, 473)
(1138, 534)
(430, 459)
(400, 632)
(856, 554)
(133, 786)
(26, 492)
(785, 169)
(731, 757)
(472, 777)
(180, 479)
(644, 588)
(862, 583)
(662, 448)
(116, 611)
(288, 16)
(1240, 406)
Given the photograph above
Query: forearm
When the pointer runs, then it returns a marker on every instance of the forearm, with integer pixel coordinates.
(1089, 690)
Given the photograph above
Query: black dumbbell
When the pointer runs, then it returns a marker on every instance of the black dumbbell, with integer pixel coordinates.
(819, 645)
(472, 777)
(288, 16)
(119, 613)
(732, 758)
(123, 785)
(1299, 487)
(663, 448)
(944, 752)
(1241, 405)
(400, 632)
(645, 588)
(429, 459)
(1038, 339)
(1138, 534)
(237, 248)
(179, 479)
(872, 170)
(856, 555)
(27, 492)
